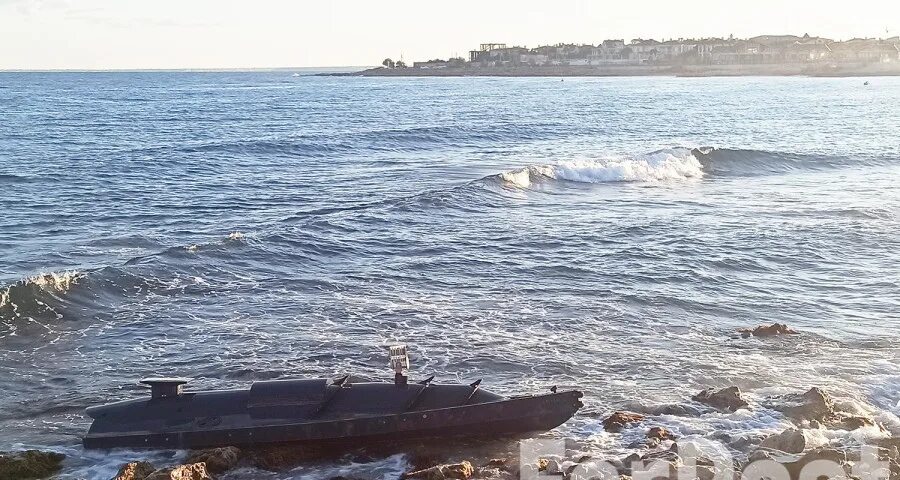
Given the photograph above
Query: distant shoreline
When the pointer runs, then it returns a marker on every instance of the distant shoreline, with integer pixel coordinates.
(855, 70)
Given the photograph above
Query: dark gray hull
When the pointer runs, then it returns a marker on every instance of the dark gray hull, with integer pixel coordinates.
(388, 414)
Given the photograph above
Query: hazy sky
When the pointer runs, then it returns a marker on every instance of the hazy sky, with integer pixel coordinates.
(99, 34)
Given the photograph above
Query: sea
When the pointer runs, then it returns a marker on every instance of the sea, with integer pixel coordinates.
(609, 235)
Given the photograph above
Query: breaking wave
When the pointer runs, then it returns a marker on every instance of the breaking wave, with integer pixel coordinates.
(678, 163)
(668, 164)
(32, 295)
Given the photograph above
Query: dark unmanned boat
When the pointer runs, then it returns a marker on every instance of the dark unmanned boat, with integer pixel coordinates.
(323, 412)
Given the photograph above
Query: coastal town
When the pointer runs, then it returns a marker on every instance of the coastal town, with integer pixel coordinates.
(777, 54)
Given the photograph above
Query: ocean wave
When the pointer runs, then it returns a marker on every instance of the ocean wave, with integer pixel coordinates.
(677, 163)
(661, 165)
(33, 295)
(750, 162)
(11, 178)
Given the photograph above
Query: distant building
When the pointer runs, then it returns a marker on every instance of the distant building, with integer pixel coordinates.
(762, 49)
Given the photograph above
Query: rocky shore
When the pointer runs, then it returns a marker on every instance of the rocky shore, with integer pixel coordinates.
(819, 429)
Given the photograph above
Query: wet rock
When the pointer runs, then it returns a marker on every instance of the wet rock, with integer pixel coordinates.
(618, 420)
(758, 455)
(813, 405)
(729, 399)
(29, 464)
(625, 466)
(193, 471)
(459, 471)
(788, 441)
(217, 460)
(830, 454)
(675, 409)
(772, 330)
(854, 422)
(705, 472)
(497, 462)
(552, 467)
(135, 471)
(282, 457)
(669, 457)
(660, 433)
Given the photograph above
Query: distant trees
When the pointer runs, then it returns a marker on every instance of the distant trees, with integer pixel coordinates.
(400, 64)
(388, 63)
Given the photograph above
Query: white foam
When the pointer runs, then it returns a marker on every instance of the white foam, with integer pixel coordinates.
(50, 282)
(663, 165)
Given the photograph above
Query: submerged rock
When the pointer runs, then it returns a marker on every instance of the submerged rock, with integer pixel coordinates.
(788, 441)
(814, 404)
(729, 399)
(193, 471)
(660, 433)
(618, 420)
(135, 471)
(461, 471)
(772, 330)
(217, 460)
(29, 464)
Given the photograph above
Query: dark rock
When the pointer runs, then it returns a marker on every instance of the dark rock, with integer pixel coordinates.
(705, 472)
(282, 457)
(194, 471)
(788, 441)
(624, 467)
(217, 460)
(758, 455)
(729, 399)
(29, 464)
(668, 456)
(664, 455)
(675, 409)
(135, 471)
(618, 420)
(459, 471)
(660, 433)
(854, 422)
(768, 330)
(425, 458)
(497, 462)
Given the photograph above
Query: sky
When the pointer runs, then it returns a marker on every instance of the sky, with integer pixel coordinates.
(162, 34)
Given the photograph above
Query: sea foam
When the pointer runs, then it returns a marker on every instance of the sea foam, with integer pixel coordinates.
(662, 165)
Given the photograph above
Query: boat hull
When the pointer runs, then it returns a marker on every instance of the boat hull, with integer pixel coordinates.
(505, 417)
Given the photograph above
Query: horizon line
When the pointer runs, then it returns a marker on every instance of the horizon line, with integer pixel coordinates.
(179, 69)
